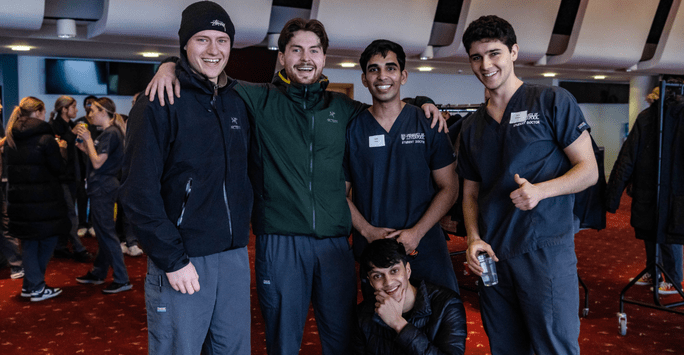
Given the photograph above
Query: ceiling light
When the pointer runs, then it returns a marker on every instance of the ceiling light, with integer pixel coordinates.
(549, 75)
(66, 28)
(20, 48)
(273, 41)
(424, 68)
(347, 65)
(428, 53)
(599, 77)
(150, 54)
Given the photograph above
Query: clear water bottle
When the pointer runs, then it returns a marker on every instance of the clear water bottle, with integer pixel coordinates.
(489, 276)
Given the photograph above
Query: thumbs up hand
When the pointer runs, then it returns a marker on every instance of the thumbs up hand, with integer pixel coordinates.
(527, 196)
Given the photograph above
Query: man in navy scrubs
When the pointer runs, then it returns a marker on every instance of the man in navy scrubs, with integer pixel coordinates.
(402, 172)
(522, 156)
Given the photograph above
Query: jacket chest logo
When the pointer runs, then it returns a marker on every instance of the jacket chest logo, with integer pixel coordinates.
(331, 118)
(234, 123)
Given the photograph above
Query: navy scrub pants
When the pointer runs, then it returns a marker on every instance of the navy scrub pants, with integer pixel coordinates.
(215, 320)
(109, 252)
(670, 258)
(294, 271)
(534, 307)
(63, 242)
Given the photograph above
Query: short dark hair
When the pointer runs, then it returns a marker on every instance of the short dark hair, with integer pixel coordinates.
(383, 253)
(489, 27)
(300, 24)
(382, 46)
(88, 98)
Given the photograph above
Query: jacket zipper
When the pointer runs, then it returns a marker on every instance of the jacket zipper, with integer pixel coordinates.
(311, 162)
(225, 194)
(188, 189)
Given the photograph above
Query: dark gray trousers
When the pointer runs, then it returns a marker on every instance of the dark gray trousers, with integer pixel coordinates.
(215, 320)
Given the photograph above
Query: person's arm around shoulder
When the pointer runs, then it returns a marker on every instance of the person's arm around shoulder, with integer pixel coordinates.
(584, 173)
(450, 337)
(164, 81)
(446, 183)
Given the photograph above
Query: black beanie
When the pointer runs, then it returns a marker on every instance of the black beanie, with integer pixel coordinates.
(204, 15)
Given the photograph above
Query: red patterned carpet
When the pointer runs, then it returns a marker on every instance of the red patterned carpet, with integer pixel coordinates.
(84, 321)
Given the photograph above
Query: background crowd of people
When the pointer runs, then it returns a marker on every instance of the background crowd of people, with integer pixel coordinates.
(62, 177)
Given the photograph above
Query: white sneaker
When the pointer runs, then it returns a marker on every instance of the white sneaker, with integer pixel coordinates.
(82, 232)
(91, 230)
(46, 293)
(124, 248)
(135, 250)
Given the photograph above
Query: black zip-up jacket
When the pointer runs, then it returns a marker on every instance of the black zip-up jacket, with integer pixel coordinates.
(637, 163)
(35, 198)
(436, 325)
(185, 187)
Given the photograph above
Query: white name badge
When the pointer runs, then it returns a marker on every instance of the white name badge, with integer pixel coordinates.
(376, 141)
(517, 117)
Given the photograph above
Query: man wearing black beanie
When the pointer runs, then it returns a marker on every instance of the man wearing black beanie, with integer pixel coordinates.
(186, 191)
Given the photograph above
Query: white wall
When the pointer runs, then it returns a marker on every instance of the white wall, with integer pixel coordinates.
(607, 122)
(32, 83)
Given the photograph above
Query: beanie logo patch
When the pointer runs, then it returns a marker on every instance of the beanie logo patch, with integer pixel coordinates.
(219, 23)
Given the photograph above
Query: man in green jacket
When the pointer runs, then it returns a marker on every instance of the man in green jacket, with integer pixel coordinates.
(300, 217)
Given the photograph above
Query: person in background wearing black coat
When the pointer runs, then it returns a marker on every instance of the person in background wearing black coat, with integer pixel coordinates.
(406, 317)
(35, 199)
(60, 120)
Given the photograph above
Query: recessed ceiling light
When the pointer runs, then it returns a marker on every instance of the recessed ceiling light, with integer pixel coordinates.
(347, 65)
(20, 48)
(549, 75)
(150, 54)
(425, 68)
(599, 77)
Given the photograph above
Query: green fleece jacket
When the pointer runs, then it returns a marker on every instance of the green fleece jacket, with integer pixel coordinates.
(296, 157)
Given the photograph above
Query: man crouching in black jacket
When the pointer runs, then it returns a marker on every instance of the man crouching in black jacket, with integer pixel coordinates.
(186, 192)
(407, 317)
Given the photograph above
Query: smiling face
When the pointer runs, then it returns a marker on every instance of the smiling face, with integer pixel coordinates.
(208, 53)
(384, 78)
(393, 280)
(492, 63)
(303, 58)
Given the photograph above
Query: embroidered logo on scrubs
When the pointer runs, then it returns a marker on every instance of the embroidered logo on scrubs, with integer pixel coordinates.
(581, 125)
(161, 309)
(411, 138)
(332, 117)
(234, 123)
(522, 117)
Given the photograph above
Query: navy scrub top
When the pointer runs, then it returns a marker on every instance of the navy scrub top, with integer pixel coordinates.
(538, 123)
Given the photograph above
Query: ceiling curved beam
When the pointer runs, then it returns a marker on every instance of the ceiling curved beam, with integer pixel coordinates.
(670, 50)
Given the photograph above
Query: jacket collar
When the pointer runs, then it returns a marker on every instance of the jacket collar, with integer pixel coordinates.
(310, 94)
(191, 78)
(26, 127)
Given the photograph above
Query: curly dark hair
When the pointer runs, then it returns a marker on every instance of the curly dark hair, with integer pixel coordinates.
(382, 253)
(489, 27)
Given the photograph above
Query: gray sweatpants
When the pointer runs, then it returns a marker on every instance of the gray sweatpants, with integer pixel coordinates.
(215, 320)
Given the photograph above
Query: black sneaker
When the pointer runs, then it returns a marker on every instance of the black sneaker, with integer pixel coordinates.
(116, 287)
(47, 293)
(83, 257)
(89, 279)
(26, 294)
